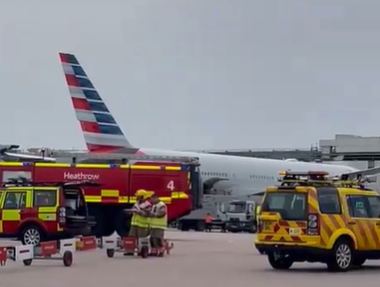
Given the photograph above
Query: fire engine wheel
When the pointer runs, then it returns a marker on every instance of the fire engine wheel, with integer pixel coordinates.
(122, 224)
(67, 258)
(110, 253)
(27, 262)
(31, 234)
(144, 252)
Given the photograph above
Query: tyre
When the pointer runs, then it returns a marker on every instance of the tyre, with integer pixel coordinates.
(279, 262)
(144, 252)
(342, 256)
(67, 258)
(27, 262)
(31, 234)
(123, 224)
(110, 253)
(100, 218)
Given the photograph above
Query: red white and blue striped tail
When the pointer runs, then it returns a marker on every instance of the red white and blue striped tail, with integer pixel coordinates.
(100, 129)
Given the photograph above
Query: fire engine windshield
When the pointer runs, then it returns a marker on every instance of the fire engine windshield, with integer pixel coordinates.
(236, 207)
(290, 205)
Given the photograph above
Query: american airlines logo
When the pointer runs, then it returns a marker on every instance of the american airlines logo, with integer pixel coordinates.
(80, 176)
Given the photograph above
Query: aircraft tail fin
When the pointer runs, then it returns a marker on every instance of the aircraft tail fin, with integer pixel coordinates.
(100, 130)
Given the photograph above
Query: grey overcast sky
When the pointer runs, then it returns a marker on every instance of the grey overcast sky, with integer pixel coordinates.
(194, 74)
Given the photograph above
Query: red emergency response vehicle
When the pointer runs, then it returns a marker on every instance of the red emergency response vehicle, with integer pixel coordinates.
(176, 180)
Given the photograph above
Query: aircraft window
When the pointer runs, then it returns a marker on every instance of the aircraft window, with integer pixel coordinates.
(104, 118)
(92, 95)
(110, 130)
(98, 107)
(78, 71)
(85, 83)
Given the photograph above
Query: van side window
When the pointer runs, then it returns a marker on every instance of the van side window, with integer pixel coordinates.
(374, 205)
(14, 200)
(328, 202)
(45, 198)
(358, 206)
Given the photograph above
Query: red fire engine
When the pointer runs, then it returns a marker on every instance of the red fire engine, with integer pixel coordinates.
(175, 180)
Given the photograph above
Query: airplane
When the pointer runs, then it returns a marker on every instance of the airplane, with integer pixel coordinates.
(103, 134)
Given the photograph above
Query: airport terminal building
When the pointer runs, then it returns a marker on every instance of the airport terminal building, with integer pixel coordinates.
(352, 150)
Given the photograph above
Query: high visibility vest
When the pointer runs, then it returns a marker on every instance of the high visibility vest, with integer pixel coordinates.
(159, 223)
(138, 220)
(258, 209)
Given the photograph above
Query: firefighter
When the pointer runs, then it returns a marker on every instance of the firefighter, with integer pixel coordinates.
(158, 224)
(139, 222)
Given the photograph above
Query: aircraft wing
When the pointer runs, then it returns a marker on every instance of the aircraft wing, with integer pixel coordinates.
(363, 173)
(28, 157)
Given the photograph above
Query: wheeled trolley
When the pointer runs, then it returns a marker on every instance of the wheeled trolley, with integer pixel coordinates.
(131, 246)
(45, 251)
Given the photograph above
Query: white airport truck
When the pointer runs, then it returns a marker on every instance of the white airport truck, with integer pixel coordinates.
(232, 214)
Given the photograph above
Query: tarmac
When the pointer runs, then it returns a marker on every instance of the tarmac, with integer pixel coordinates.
(198, 259)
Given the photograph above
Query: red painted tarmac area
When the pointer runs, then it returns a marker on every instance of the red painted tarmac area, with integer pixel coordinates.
(198, 259)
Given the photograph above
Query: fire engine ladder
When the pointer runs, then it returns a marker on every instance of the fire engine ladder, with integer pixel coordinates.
(127, 157)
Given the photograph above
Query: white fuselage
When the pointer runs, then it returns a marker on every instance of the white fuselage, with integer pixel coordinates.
(250, 174)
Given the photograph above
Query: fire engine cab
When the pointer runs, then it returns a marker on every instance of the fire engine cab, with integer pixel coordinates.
(34, 212)
(175, 180)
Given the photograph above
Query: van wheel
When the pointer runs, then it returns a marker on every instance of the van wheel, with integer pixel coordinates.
(279, 262)
(31, 234)
(341, 259)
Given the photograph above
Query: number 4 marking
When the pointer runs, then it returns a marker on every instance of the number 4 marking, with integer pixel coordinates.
(170, 185)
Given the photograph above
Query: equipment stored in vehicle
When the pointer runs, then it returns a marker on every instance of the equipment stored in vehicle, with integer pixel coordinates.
(311, 217)
(175, 180)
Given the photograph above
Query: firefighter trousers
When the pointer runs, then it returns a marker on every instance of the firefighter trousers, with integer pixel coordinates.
(138, 232)
(157, 237)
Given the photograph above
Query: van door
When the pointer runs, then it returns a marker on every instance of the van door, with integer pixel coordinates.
(14, 203)
(362, 222)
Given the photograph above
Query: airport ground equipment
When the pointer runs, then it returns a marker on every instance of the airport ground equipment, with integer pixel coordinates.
(51, 250)
(176, 180)
(239, 216)
(85, 243)
(235, 213)
(131, 246)
(310, 217)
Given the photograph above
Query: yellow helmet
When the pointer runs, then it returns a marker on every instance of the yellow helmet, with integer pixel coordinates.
(140, 192)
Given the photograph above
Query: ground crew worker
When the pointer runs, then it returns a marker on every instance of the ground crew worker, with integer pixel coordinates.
(158, 224)
(139, 223)
(208, 222)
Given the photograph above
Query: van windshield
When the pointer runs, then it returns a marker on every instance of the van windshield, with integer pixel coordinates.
(290, 205)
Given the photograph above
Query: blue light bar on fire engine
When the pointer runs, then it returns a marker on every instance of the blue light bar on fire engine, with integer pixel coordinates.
(184, 167)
